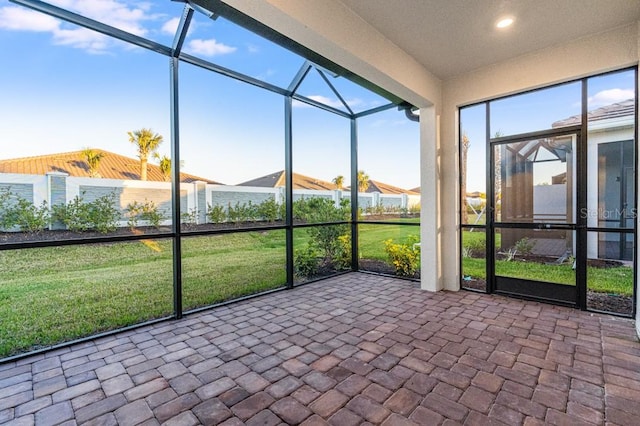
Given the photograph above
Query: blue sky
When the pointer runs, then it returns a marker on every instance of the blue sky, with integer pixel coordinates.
(536, 111)
(66, 88)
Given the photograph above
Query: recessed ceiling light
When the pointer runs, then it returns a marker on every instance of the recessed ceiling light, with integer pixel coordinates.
(504, 22)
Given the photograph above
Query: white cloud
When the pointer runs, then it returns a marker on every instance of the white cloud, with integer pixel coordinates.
(209, 47)
(611, 96)
(332, 102)
(171, 26)
(111, 12)
(20, 19)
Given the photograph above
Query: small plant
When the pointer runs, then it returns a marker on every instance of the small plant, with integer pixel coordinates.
(404, 257)
(343, 256)
(143, 211)
(78, 215)
(510, 254)
(189, 217)
(216, 214)
(524, 246)
(306, 262)
(268, 210)
(475, 247)
(24, 214)
(466, 252)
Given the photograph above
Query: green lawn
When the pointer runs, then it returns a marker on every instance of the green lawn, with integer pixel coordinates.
(617, 280)
(55, 294)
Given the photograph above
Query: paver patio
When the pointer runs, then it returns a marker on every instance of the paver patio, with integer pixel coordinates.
(349, 350)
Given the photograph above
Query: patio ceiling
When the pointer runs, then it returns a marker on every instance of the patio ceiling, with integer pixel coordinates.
(453, 37)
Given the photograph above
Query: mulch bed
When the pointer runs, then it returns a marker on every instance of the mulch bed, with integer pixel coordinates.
(595, 301)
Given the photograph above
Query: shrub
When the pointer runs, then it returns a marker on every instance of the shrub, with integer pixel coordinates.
(343, 257)
(268, 210)
(189, 217)
(306, 262)
(78, 215)
(524, 246)
(216, 214)
(143, 211)
(475, 247)
(23, 214)
(404, 257)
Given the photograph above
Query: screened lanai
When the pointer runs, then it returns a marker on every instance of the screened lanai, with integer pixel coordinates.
(266, 166)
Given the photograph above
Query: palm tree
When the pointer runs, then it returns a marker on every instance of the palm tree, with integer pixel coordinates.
(147, 143)
(93, 157)
(339, 181)
(164, 163)
(363, 181)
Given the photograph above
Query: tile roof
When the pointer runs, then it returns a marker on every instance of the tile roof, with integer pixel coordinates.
(619, 109)
(385, 188)
(111, 166)
(276, 179)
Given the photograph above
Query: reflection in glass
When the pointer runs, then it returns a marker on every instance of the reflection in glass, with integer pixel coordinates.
(223, 267)
(536, 255)
(536, 180)
(474, 272)
(56, 294)
(610, 275)
(389, 249)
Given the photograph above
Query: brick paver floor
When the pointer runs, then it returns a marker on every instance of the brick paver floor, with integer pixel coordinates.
(355, 349)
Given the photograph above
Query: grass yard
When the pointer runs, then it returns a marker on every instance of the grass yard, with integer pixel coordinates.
(51, 295)
(614, 280)
(56, 294)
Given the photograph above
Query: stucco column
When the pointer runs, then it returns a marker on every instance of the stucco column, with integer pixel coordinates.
(431, 261)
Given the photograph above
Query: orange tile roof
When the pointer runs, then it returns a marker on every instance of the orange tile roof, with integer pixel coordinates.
(276, 179)
(111, 166)
(385, 188)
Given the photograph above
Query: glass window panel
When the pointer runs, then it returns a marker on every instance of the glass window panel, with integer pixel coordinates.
(543, 109)
(56, 294)
(321, 164)
(218, 268)
(75, 173)
(226, 44)
(473, 165)
(536, 182)
(390, 190)
(474, 265)
(321, 251)
(537, 255)
(379, 245)
(240, 168)
(611, 157)
(610, 275)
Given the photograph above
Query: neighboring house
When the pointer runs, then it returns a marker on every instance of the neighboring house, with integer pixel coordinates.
(385, 188)
(112, 166)
(277, 179)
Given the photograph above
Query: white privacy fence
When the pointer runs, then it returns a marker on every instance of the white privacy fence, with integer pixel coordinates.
(196, 198)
